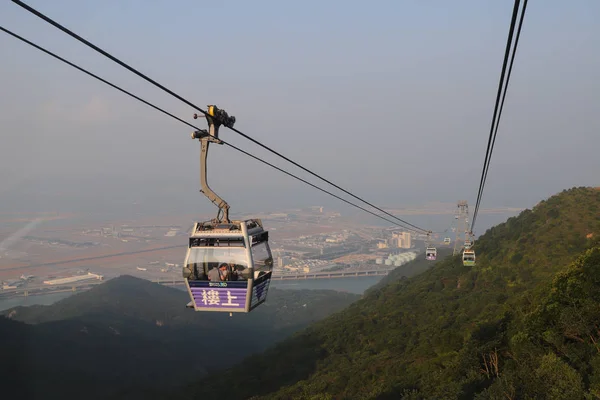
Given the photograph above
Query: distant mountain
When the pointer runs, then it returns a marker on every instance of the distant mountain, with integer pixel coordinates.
(523, 324)
(128, 334)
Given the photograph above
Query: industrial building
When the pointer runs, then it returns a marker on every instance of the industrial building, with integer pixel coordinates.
(403, 239)
(397, 260)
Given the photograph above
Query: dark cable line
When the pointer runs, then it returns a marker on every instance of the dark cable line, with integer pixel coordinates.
(501, 81)
(193, 126)
(416, 228)
(95, 76)
(104, 53)
(512, 59)
(497, 104)
(316, 187)
(500, 112)
(86, 42)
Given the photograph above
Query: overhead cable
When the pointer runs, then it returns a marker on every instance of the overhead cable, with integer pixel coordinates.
(499, 105)
(514, 52)
(195, 127)
(143, 76)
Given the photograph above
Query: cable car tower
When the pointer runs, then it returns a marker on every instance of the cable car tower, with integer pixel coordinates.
(462, 225)
(228, 265)
(465, 245)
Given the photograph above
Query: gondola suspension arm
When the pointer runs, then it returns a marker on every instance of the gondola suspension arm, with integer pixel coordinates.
(215, 118)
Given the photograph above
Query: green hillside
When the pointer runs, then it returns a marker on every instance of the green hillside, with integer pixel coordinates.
(523, 324)
(130, 338)
(410, 269)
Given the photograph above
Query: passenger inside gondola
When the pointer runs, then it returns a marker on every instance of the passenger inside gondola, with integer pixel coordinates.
(237, 272)
(224, 272)
(218, 274)
(214, 275)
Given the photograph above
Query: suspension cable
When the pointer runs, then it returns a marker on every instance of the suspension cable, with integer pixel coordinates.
(499, 93)
(499, 105)
(123, 64)
(195, 127)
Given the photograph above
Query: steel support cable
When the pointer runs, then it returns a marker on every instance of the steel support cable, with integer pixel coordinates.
(95, 76)
(444, 231)
(496, 106)
(193, 126)
(510, 67)
(124, 65)
(316, 187)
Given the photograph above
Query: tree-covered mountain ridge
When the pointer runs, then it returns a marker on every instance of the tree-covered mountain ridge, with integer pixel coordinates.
(134, 339)
(522, 324)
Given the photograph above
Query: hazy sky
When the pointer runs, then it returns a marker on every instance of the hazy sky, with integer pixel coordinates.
(392, 101)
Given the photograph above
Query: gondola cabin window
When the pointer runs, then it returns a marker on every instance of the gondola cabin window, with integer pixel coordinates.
(262, 259)
(203, 259)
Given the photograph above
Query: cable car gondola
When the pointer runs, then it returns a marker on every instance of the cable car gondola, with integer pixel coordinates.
(431, 253)
(228, 265)
(447, 240)
(469, 240)
(469, 258)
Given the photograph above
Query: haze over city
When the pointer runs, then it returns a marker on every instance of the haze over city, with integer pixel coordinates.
(393, 102)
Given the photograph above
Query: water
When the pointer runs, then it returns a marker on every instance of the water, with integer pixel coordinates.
(44, 300)
(350, 285)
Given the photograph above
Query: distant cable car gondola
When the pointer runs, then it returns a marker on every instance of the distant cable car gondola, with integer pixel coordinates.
(430, 252)
(468, 258)
(447, 240)
(228, 265)
(469, 240)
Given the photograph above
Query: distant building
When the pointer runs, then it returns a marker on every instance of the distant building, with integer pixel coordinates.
(397, 239)
(283, 261)
(404, 240)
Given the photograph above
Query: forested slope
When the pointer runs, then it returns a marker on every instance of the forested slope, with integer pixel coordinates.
(524, 323)
(412, 268)
(130, 338)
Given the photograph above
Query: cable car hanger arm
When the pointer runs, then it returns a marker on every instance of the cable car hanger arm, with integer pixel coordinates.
(215, 118)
